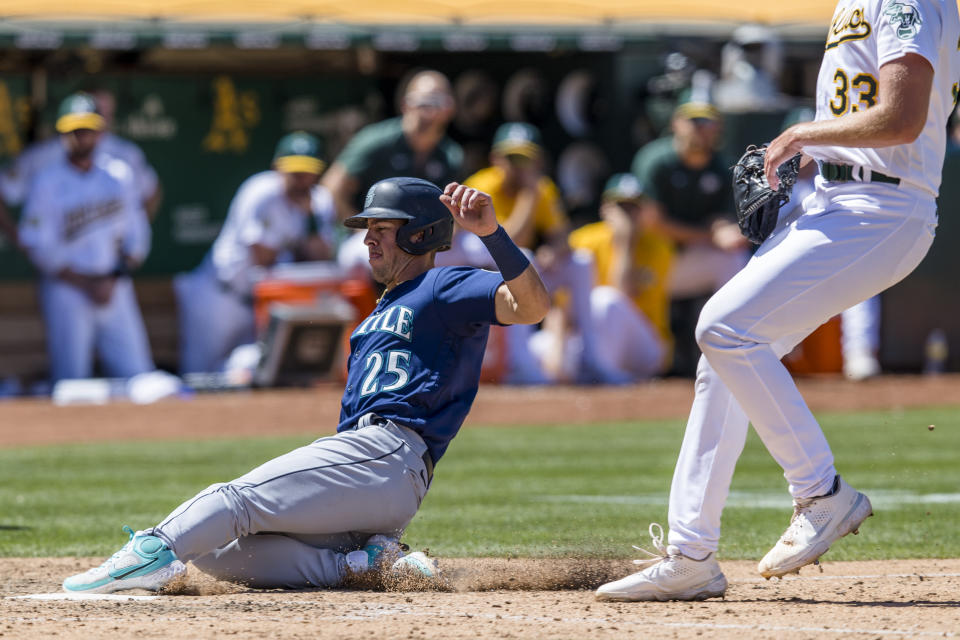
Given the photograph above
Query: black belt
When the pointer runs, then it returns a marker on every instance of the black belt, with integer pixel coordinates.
(847, 173)
(380, 421)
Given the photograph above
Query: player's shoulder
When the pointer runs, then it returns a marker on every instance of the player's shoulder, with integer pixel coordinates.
(120, 146)
(454, 274)
(655, 153)
(262, 184)
(378, 134)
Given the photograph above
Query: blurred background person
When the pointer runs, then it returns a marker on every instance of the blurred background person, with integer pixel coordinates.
(688, 182)
(631, 304)
(16, 178)
(413, 144)
(85, 230)
(529, 208)
(750, 68)
(276, 215)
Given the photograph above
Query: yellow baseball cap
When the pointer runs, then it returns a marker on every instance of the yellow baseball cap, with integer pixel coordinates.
(79, 111)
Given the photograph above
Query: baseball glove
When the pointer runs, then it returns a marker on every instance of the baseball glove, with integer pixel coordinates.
(758, 206)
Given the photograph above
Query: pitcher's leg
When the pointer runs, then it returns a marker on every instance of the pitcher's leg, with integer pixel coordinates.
(820, 268)
(712, 442)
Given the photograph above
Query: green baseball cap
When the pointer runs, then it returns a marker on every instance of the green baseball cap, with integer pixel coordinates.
(693, 105)
(79, 111)
(623, 186)
(299, 152)
(518, 138)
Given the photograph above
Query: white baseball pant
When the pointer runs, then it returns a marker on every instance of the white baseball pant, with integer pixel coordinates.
(853, 241)
(77, 328)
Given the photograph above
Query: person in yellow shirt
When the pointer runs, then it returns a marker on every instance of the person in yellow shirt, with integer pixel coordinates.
(527, 201)
(529, 208)
(631, 301)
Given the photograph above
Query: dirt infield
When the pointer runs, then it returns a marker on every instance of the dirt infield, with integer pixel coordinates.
(529, 600)
(484, 598)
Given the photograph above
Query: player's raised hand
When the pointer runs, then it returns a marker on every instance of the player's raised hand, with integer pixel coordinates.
(472, 209)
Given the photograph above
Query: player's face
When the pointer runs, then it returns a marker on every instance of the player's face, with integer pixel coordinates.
(298, 184)
(701, 134)
(81, 142)
(386, 258)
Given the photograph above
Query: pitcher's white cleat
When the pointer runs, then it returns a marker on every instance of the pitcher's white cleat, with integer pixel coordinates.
(672, 576)
(816, 524)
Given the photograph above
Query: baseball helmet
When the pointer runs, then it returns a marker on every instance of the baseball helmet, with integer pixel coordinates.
(79, 111)
(415, 201)
(299, 152)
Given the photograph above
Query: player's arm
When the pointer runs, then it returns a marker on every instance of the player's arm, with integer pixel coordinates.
(522, 299)
(343, 187)
(903, 99)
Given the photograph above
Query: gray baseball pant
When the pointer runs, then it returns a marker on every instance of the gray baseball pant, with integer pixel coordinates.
(289, 522)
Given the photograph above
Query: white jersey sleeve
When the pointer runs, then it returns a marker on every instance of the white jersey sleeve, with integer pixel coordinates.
(867, 34)
(144, 176)
(17, 177)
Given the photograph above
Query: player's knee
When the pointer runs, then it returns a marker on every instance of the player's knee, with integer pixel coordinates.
(713, 332)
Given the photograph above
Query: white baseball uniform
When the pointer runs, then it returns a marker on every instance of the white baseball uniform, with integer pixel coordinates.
(215, 299)
(853, 240)
(17, 177)
(86, 221)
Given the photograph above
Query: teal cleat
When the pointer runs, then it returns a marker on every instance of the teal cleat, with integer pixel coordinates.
(145, 562)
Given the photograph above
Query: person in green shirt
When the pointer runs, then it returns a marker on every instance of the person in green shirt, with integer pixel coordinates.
(690, 186)
(414, 144)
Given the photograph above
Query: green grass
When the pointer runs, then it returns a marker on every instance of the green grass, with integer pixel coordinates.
(517, 491)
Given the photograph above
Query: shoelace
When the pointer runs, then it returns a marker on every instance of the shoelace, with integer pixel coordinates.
(656, 537)
(131, 533)
(800, 507)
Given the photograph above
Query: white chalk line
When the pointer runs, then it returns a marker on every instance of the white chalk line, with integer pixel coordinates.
(83, 596)
(881, 498)
(920, 576)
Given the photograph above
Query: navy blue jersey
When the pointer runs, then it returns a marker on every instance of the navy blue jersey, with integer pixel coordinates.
(416, 359)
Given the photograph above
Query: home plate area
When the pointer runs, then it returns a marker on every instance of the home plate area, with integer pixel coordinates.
(500, 598)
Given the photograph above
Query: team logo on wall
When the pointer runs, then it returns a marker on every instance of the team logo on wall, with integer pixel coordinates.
(234, 114)
(149, 122)
(905, 17)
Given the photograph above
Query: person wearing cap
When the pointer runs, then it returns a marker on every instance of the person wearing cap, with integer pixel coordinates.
(337, 507)
(414, 144)
(529, 207)
(633, 264)
(85, 230)
(276, 215)
(17, 176)
(688, 183)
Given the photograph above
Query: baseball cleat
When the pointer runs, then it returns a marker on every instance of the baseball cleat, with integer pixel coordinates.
(816, 524)
(145, 562)
(672, 576)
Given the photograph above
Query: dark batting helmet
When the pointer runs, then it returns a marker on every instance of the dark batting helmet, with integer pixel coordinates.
(415, 201)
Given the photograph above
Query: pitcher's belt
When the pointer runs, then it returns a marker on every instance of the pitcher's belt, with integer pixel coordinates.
(847, 173)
